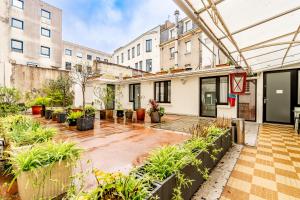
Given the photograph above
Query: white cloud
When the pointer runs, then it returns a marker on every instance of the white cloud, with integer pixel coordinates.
(102, 25)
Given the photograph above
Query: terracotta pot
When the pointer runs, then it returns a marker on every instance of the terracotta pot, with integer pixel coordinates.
(102, 114)
(36, 110)
(140, 114)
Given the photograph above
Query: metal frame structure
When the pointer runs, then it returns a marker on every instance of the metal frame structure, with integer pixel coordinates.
(210, 16)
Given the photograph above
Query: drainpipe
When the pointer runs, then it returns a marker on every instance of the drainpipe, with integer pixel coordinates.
(176, 37)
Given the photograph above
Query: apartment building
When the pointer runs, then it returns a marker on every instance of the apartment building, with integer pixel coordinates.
(31, 34)
(142, 53)
(183, 45)
(74, 54)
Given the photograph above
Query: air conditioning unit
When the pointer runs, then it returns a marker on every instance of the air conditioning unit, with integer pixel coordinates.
(32, 64)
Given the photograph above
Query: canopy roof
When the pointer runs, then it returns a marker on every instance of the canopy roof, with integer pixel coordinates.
(255, 34)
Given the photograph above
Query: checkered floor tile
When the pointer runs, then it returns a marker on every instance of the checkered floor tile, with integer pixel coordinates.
(269, 171)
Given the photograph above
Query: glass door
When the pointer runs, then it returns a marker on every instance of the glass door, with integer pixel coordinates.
(111, 105)
(247, 102)
(208, 97)
(136, 94)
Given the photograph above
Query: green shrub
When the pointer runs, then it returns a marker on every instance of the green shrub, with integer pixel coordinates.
(40, 101)
(73, 116)
(9, 99)
(43, 155)
(90, 110)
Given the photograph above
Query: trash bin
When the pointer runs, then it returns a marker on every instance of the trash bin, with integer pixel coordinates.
(239, 134)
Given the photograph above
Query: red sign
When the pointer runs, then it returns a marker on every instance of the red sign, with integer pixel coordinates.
(238, 81)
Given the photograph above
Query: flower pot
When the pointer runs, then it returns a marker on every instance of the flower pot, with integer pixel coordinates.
(45, 182)
(129, 115)
(85, 123)
(36, 110)
(76, 110)
(61, 117)
(54, 117)
(120, 113)
(140, 114)
(155, 117)
(72, 123)
(109, 114)
(102, 114)
(48, 114)
(43, 111)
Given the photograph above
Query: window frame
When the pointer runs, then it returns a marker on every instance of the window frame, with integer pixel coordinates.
(147, 65)
(218, 83)
(16, 49)
(186, 49)
(89, 57)
(14, 19)
(138, 50)
(46, 55)
(186, 27)
(68, 50)
(12, 3)
(45, 11)
(150, 45)
(132, 90)
(141, 65)
(133, 52)
(172, 54)
(122, 57)
(128, 52)
(46, 29)
(166, 91)
(79, 55)
(67, 67)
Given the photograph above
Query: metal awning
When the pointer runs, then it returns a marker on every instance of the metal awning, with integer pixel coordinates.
(255, 34)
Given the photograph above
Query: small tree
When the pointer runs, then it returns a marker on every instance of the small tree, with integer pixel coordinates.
(105, 95)
(80, 75)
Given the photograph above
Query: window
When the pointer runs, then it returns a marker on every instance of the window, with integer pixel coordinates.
(162, 91)
(188, 25)
(68, 65)
(172, 53)
(45, 51)
(45, 14)
(172, 33)
(98, 58)
(133, 91)
(148, 45)
(18, 3)
(17, 46)
(122, 57)
(89, 57)
(105, 60)
(128, 54)
(133, 52)
(45, 32)
(141, 65)
(17, 23)
(223, 94)
(138, 50)
(79, 55)
(188, 47)
(136, 65)
(68, 52)
(117, 59)
(149, 65)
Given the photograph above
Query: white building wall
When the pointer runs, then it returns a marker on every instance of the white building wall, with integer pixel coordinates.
(154, 35)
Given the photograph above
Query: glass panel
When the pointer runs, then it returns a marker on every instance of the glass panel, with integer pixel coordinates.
(162, 92)
(111, 105)
(137, 93)
(46, 14)
(208, 97)
(223, 90)
(130, 92)
(278, 97)
(169, 91)
(247, 102)
(17, 23)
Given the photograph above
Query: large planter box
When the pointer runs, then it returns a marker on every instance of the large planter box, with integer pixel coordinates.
(166, 188)
(85, 124)
(45, 182)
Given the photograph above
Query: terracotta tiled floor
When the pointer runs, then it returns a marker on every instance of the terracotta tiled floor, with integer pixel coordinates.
(270, 171)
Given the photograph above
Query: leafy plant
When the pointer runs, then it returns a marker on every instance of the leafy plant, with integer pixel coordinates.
(58, 111)
(41, 101)
(90, 110)
(105, 96)
(73, 116)
(9, 99)
(155, 108)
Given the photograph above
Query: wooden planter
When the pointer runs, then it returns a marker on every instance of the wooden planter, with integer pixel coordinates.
(36, 110)
(45, 182)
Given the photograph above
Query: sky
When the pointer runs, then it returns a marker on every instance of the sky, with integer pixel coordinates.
(109, 24)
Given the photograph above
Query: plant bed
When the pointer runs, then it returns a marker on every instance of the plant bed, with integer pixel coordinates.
(85, 123)
(48, 114)
(61, 117)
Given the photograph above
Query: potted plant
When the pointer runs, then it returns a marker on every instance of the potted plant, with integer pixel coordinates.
(80, 77)
(140, 112)
(72, 118)
(129, 114)
(105, 96)
(45, 170)
(155, 111)
(55, 113)
(62, 117)
(90, 111)
(39, 105)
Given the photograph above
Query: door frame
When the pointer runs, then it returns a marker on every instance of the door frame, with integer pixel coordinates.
(293, 97)
(133, 93)
(217, 93)
(238, 103)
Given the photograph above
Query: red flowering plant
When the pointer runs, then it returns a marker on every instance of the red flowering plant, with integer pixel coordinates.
(154, 107)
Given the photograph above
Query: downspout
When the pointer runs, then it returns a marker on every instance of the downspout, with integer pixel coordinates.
(176, 37)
